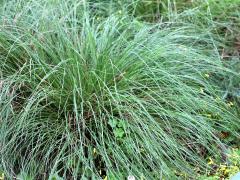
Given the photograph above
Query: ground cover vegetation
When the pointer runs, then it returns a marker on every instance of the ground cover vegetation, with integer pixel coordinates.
(110, 89)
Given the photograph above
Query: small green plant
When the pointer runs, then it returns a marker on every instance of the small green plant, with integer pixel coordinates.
(119, 127)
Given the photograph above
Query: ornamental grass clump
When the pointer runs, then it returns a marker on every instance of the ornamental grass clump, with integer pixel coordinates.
(81, 99)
